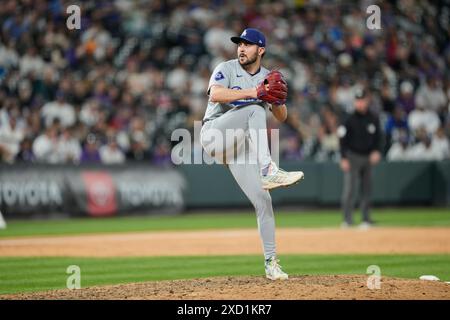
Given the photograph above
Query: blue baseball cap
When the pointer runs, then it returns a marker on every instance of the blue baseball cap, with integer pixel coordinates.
(251, 35)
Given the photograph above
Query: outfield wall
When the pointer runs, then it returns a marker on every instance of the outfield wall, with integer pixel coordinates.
(93, 190)
(399, 183)
(96, 190)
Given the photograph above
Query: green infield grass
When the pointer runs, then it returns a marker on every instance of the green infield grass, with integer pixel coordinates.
(45, 273)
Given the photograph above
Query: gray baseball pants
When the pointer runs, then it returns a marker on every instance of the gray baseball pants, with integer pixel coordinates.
(360, 171)
(246, 146)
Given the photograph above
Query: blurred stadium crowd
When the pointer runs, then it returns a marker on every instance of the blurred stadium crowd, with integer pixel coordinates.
(116, 89)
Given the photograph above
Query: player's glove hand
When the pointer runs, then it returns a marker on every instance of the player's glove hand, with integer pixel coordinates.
(273, 89)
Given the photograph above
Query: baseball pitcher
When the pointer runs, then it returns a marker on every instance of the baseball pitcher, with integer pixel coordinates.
(239, 91)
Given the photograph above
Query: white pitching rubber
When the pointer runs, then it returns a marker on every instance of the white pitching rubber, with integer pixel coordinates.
(429, 278)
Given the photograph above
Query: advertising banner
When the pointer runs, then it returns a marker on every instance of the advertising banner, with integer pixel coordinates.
(96, 191)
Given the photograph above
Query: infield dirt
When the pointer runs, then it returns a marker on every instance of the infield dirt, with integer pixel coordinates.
(244, 241)
(234, 242)
(296, 288)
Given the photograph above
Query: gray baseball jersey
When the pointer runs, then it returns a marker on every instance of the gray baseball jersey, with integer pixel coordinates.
(230, 74)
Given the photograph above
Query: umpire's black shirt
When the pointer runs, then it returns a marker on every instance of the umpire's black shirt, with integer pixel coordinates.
(360, 134)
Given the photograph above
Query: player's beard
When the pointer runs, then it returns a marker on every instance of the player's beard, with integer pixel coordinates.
(249, 60)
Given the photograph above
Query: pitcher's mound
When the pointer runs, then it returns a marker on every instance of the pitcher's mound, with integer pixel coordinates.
(257, 287)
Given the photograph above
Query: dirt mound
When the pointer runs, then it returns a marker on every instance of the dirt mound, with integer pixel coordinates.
(296, 288)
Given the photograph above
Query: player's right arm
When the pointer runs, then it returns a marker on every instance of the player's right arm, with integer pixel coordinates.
(221, 94)
(219, 90)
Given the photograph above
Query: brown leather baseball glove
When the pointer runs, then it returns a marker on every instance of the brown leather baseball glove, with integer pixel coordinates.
(273, 89)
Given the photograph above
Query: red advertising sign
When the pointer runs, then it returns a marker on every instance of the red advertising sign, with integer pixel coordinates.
(101, 193)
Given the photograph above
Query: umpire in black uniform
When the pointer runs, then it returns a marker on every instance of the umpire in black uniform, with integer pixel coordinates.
(360, 142)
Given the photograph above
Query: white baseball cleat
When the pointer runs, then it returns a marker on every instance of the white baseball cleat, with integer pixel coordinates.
(2, 222)
(345, 225)
(365, 225)
(273, 270)
(276, 177)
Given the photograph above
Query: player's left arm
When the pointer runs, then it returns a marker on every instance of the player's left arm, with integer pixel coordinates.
(279, 112)
(273, 90)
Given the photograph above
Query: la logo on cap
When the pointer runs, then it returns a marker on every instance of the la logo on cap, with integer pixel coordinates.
(244, 33)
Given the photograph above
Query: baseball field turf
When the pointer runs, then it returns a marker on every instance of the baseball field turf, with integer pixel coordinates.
(20, 274)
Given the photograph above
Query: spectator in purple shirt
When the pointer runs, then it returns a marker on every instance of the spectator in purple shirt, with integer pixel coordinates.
(26, 151)
(406, 97)
(292, 149)
(162, 155)
(90, 152)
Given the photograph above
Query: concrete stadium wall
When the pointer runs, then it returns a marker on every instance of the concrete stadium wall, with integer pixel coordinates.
(98, 190)
(400, 183)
